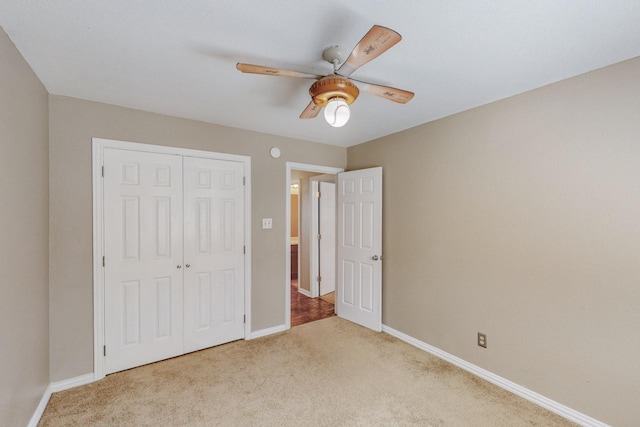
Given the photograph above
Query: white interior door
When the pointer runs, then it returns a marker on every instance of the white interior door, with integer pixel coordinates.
(327, 242)
(359, 251)
(143, 258)
(213, 252)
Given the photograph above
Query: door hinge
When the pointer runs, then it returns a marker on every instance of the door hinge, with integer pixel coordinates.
(319, 236)
(244, 180)
(318, 194)
(104, 350)
(245, 319)
(103, 261)
(103, 171)
(244, 250)
(319, 279)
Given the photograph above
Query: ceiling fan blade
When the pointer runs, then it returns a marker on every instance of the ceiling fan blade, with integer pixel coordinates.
(260, 69)
(311, 111)
(376, 42)
(391, 93)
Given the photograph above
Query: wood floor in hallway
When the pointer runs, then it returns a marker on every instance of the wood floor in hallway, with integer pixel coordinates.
(305, 309)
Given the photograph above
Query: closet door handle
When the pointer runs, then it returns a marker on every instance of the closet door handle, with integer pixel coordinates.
(179, 266)
(188, 265)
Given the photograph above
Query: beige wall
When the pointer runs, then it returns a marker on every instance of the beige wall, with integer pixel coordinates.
(24, 242)
(73, 123)
(521, 219)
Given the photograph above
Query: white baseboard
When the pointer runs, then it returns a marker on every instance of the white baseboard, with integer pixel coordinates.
(71, 383)
(268, 331)
(53, 388)
(532, 396)
(35, 418)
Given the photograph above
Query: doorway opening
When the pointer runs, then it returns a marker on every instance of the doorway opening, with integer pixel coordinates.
(303, 284)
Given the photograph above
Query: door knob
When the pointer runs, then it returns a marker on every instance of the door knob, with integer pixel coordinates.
(375, 257)
(188, 265)
(179, 266)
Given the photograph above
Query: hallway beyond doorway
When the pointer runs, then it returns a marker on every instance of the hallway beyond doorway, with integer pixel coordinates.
(305, 309)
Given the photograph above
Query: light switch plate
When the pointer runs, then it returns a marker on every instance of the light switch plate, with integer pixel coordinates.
(267, 223)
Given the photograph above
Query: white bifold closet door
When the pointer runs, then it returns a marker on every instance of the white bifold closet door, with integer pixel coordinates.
(214, 252)
(174, 262)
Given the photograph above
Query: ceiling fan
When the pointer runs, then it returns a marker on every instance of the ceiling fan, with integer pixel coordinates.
(336, 91)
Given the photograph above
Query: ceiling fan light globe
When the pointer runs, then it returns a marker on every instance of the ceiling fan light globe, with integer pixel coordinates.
(337, 112)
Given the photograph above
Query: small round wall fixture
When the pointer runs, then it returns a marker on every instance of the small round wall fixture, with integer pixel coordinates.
(275, 152)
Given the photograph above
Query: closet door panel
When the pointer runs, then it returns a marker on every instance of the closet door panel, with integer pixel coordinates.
(213, 252)
(143, 249)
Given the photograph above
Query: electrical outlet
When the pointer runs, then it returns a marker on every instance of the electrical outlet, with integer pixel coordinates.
(267, 223)
(482, 340)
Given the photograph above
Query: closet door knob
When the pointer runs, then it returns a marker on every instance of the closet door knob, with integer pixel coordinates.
(188, 265)
(179, 266)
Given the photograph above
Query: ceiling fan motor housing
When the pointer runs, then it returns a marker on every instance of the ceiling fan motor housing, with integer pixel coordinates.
(333, 86)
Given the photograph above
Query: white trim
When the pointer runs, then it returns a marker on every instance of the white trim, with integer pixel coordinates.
(35, 418)
(525, 393)
(98, 145)
(269, 331)
(305, 292)
(71, 383)
(247, 243)
(98, 251)
(55, 387)
(287, 285)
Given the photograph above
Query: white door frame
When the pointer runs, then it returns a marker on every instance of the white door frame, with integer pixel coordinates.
(98, 145)
(290, 166)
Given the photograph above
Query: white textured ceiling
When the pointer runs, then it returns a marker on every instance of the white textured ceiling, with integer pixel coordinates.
(178, 57)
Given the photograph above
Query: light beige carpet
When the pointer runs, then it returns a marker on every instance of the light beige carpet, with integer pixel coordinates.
(326, 373)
